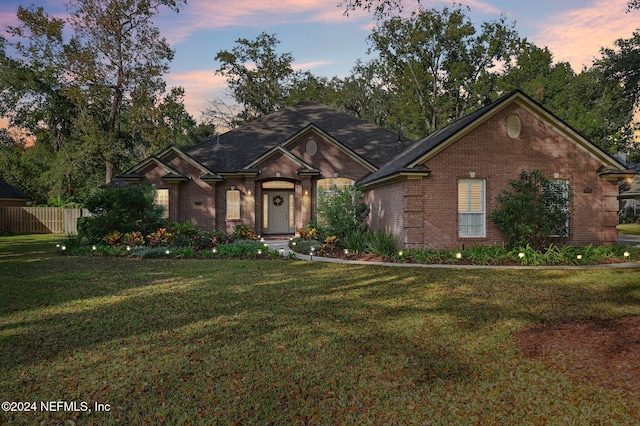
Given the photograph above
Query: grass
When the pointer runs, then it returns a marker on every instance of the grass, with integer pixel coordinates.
(629, 228)
(290, 342)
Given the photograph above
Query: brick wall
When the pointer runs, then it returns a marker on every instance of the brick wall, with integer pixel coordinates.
(424, 212)
(487, 152)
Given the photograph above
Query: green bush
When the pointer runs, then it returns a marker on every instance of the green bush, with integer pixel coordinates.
(355, 241)
(304, 246)
(535, 213)
(123, 210)
(382, 243)
(342, 212)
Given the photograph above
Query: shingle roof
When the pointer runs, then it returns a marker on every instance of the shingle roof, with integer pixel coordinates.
(431, 142)
(10, 192)
(235, 149)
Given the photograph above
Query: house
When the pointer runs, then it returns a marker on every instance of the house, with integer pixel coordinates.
(630, 199)
(436, 192)
(11, 196)
(267, 173)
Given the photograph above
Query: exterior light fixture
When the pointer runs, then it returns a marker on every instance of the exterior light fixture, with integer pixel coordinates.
(63, 247)
(259, 251)
(521, 255)
(626, 254)
(400, 253)
(167, 252)
(579, 257)
(458, 255)
(94, 248)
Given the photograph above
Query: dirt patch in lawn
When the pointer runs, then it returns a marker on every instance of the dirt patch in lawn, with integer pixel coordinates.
(602, 352)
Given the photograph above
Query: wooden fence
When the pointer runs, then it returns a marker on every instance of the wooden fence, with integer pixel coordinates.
(40, 220)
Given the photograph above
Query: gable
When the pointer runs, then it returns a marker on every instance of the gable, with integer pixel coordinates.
(419, 154)
(327, 154)
(240, 147)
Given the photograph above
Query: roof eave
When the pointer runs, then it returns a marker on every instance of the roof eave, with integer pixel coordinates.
(395, 177)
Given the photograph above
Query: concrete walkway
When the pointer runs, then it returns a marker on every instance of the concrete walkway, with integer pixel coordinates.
(284, 244)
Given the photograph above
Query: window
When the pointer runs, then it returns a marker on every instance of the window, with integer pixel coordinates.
(561, 186)
(162, 200)
(233, 204)
(331, 185)
(471, 208)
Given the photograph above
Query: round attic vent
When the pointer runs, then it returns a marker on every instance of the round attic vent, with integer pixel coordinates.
(312, 147)
(513, 126)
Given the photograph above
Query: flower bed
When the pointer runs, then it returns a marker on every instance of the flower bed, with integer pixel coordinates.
(481, 255)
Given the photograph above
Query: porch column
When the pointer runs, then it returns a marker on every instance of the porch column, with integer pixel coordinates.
(249, 204)
(305, 195)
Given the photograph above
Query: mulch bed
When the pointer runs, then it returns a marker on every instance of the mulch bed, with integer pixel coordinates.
(601, 352)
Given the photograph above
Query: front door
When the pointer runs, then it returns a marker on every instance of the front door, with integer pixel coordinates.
(278, 212)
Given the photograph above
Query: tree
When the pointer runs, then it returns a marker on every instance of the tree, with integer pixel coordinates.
(622, 64)
(117, 50)
(438, 66)
(536, 211)
(258, 77)
(381, 8)
(88, 89)
(364, 94)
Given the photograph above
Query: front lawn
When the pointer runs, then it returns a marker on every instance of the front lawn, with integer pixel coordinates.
(291, 342)
(629, 228)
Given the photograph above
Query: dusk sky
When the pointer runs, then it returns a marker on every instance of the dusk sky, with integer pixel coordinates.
(328, 43)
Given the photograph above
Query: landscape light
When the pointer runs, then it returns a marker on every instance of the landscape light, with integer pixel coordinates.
(458, 255)
(521, 255)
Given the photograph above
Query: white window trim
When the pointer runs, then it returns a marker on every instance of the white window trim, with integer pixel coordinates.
(483, 214)
(235, 203)
(567, 186)
(162, 201)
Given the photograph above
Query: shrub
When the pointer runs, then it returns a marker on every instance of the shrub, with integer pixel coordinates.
(355, 241)
(331, 241)
(304, 246)
(126, 209)
(242, 248)
(308, 233)
(535, 212)
(180, 228)
(243, 232)
(343, 211)
(133, 238)
(382, 243)
(113, 238)
(159, 238)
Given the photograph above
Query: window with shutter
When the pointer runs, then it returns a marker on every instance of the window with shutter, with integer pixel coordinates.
(471, 208)
(233, 204)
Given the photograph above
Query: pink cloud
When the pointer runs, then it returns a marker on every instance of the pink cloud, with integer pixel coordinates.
(576, 36)
(201, 86)
(205, 14)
